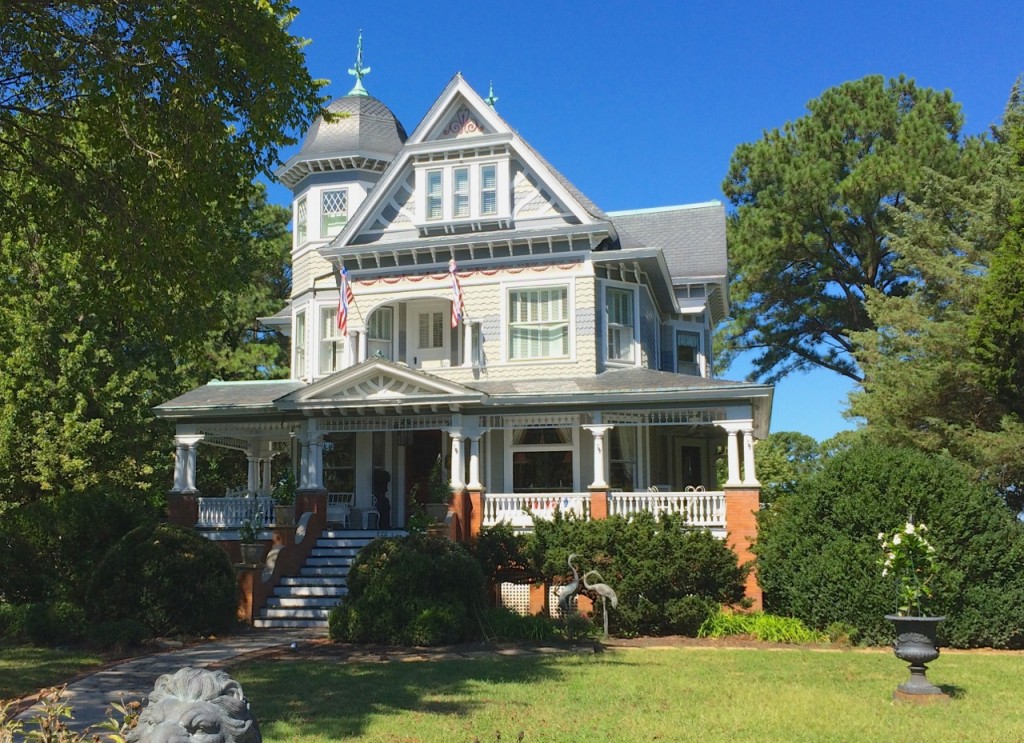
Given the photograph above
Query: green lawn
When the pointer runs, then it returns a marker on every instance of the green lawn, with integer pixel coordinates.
(24, 670)
(678, 694)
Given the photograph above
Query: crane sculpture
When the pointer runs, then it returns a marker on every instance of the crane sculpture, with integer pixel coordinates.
(605, 592)
(566, 591)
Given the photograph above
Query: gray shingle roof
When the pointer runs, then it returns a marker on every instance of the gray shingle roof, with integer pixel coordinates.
(368, 127)
(591, 208)
(692, 236)
(233, 395)
(610, 382)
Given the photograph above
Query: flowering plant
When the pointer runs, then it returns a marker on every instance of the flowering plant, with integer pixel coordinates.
(907, 556)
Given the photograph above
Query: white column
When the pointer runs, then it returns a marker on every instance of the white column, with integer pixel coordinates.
(303, 461)
(267, 484)
(180, 462)
(474, 462)
(188, 472)
(749, 475)
(252, 483)
(316, 462)
(362, 345)
(734, 458)
(599, 476)
(467, 346)
(458, 468)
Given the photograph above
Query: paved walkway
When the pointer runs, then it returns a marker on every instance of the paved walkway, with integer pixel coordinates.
(91, 696)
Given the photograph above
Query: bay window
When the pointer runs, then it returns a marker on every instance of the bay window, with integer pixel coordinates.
(301, 214)
(299, 354)
(687, 352)
(619, 314)
(542, 460)
(332, 342)
(333, 211)
(380, 333)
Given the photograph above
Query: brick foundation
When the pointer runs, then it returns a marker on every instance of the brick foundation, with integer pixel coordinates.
(741, 507)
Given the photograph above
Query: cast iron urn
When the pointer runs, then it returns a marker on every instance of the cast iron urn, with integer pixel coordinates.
(916, 644)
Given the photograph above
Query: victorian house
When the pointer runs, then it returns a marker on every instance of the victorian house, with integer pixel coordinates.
(461, 311)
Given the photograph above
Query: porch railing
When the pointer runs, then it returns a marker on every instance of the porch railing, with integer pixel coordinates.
(516, 508)
(698, 508)
(229, 513)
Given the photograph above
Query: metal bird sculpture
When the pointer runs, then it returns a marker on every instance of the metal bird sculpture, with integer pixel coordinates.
(566, 591)
(605, 592)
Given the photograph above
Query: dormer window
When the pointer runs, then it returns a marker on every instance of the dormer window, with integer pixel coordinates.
(333, 211)
(435, 194)
(466, 194)
(460, 193)
(301, 214)
(488, 189)
(619, 309)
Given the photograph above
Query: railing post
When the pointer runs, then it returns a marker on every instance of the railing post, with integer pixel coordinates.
(741, 507)
(598, 503)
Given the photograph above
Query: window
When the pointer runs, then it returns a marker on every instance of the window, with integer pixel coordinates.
(622, 458)
(332, 342)
(435, 195)
(542, 460)
(619, 311)
(687, 352)
(460, 193)
(488, 189)
(333, 212)
(299, 359)
(340, 462)
(300, 221)
(538, 323)
(380, 333)
(431, 330)
(476, 345)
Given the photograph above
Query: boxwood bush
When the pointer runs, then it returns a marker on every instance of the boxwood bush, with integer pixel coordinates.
(817, 549)
(414, 590)
(668, 578)
(167, 578)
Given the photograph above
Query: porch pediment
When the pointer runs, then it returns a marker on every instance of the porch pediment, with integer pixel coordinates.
(380, 383)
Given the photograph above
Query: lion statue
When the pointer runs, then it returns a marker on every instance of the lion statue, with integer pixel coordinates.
(194, 704)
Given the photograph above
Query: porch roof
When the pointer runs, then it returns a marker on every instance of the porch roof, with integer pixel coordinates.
(214, 396)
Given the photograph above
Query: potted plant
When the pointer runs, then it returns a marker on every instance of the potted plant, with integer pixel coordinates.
(909, 559)
(251, 549)
(284, 499)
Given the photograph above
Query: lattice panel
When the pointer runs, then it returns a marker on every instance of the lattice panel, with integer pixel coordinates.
(516, 597)
(553, 602)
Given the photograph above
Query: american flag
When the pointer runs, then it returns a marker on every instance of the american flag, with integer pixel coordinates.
(458, 303)
(345, 298)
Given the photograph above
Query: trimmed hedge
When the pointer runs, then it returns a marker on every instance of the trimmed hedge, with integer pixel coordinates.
(817, 549)
(167, 578)
(668, 578)
(414, 590)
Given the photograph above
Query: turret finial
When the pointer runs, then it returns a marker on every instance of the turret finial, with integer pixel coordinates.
(491, 99)
(359, 71)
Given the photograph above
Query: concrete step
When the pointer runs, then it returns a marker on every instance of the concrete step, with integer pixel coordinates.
(295, 613)
(309, 591)
(334, 571)
(315, 580)
(349, 552)
(323, 562)
(290, 623)
(312, 602)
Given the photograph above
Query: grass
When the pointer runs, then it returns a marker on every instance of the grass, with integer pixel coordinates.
(25, 669)
(692, 694)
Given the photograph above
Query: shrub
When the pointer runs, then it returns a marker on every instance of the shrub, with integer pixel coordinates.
(760, 626)
(504, 624)
(685, 616)
(56, 623)
(167, 578)
(817, 549)
(648, 562)
(501, 554)
(414, 590)
(118, 633)
(14, 622)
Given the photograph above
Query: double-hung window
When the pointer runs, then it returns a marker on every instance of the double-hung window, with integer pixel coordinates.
(435, 194)
(301, 223)
(687, 352)
(431, 330)
(380, 333)
(538, 324)
(333, 211)
(332, 342)
(488, 189)
(299, 360)
(619, 311)
(460, 193)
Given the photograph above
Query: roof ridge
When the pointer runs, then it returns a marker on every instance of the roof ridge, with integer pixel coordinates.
(676, 207)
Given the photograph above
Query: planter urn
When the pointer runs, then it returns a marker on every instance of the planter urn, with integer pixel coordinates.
(916, 644)
(252, 553)
(284, 515)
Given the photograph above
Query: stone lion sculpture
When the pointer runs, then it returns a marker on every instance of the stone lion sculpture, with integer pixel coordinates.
(194, 704)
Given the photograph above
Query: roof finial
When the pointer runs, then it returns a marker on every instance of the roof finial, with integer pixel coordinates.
(359, 71)
(491, 99)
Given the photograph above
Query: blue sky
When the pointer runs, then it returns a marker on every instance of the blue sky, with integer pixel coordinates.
(641, 104)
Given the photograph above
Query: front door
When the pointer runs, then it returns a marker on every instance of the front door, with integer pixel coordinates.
(429, 335)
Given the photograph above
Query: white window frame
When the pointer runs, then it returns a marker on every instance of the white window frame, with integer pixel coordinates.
(324, 230)
(461, 193)
(430, 198)
(609, 290)
(472, 191)
(300, 340)
(570, 321)
(699, 354)
(327, 321)
(373, 326)
(573, 445)
(301, 220)
(492, 190)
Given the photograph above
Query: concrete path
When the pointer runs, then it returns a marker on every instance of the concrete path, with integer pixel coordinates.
(91, 696)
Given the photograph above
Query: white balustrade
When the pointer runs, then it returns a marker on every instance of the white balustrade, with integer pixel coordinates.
(517, 509)
(698, 508)
(229, 513)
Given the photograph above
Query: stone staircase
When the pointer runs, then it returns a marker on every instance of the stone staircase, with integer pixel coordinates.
(306, 599)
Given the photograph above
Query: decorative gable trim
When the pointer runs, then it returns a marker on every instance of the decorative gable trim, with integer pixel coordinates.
(462, 124)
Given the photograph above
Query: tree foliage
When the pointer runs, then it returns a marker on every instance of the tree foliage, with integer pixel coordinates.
(943, 361)
(816, 208)
(783, 461)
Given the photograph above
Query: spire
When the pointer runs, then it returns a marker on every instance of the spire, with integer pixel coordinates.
(491, 99)
(359, 71)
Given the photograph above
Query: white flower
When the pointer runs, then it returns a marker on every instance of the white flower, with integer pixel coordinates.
(909, 528)
(896, 539)
(881, 536)
(922, 527)
(885, 572)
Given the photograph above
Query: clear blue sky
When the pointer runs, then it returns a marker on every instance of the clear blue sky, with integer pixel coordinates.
(641, 104)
